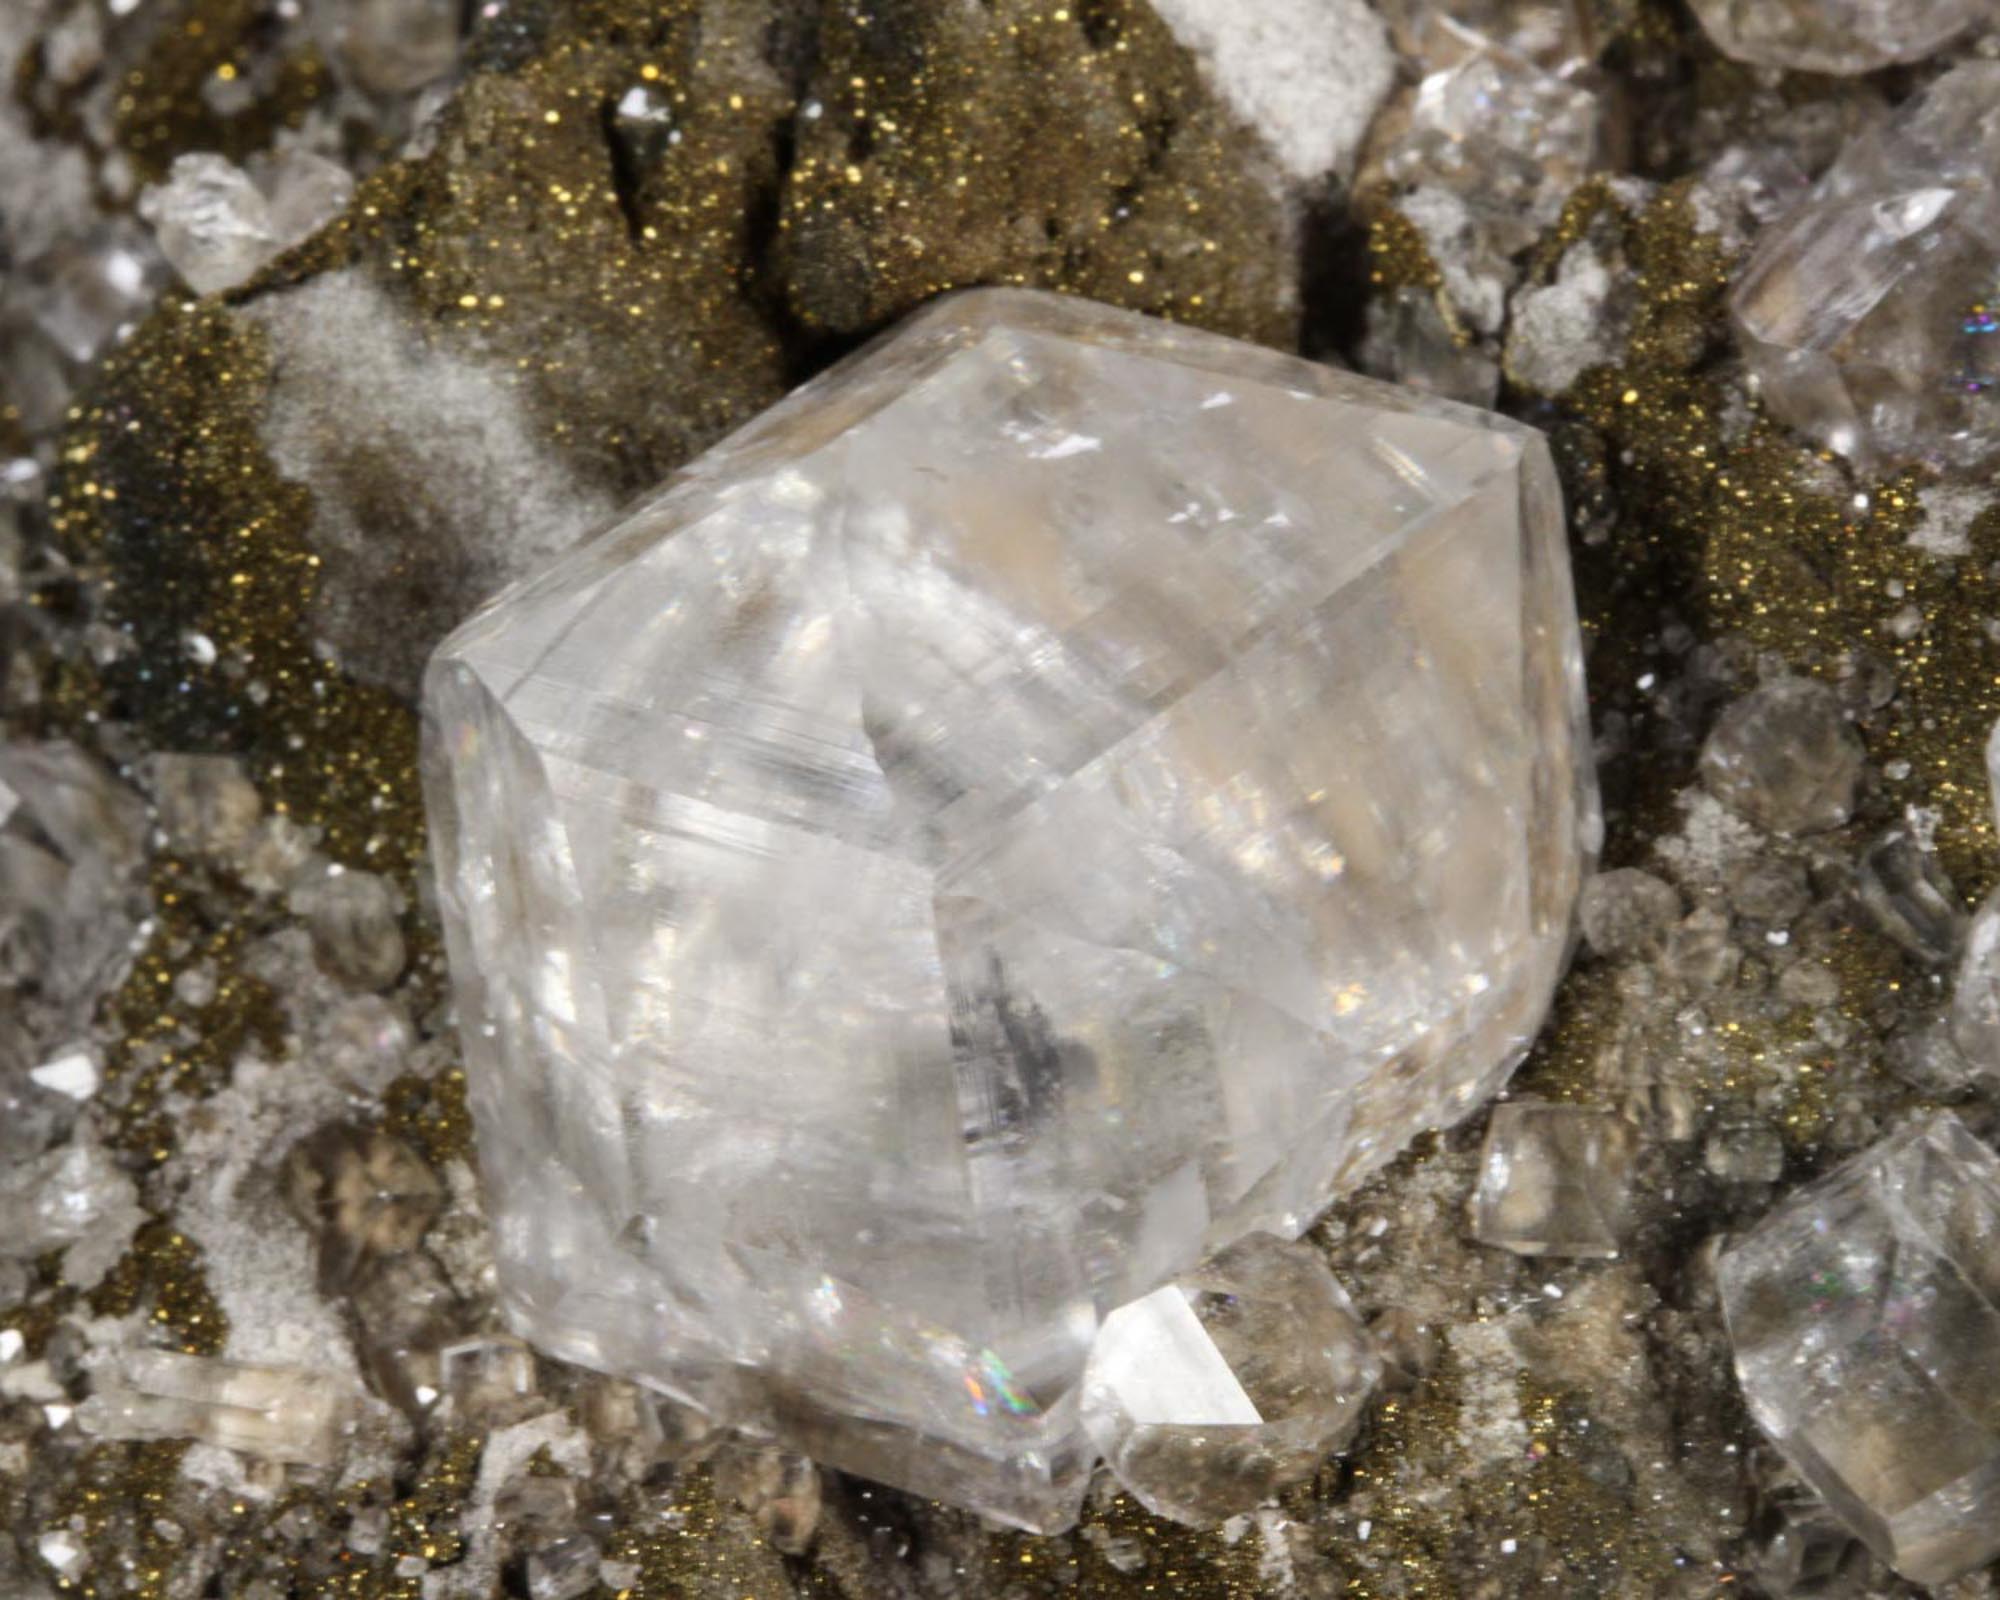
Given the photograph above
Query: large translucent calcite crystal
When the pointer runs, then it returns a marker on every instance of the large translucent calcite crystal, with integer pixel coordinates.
(1057, 794)
(1870, 312)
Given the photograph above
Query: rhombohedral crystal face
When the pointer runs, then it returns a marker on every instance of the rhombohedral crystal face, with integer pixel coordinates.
(1058, 793)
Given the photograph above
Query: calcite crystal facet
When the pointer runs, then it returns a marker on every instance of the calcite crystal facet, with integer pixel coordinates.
(1059, 793)
(1865, 1316)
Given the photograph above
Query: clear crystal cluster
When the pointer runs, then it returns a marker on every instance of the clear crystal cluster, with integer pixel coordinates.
(218, 224)
(1510, 139)
(1865, 1316)
(1870, 313)
(1058, 794)
(1841, 36)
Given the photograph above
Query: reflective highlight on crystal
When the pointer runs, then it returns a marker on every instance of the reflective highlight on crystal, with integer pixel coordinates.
(1057, 794)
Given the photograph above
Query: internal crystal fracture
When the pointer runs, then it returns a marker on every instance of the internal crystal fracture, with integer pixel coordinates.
(1057, 794)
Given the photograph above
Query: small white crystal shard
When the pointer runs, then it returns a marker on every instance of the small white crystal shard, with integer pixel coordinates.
(64, 1553)
(283, 1414)
(1058, 794)
(1870, 312)
(1554, 1180)
(1865, 1317)
(1219, 1388)
(73, 1073)
(1839, 36)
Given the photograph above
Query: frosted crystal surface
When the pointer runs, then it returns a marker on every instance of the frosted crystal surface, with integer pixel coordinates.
(1865, 1317)
(1843, 36)
(1057, 794)
(1870, 312)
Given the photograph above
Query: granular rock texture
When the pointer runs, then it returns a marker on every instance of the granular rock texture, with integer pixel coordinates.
(1065, 148)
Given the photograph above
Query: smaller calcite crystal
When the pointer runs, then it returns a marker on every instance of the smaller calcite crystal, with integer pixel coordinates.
(207, 806)
(1870, 312)
(1230, 1382)
(1904, 890)
(1865, 1317)
(1628, 913)
(356, 924)
(368, 1195)
(1746, 1152)
(283, 1414)
(1785, 757)
(1841, 36)
(217, 224)
(1799, 1550)
(1554, 1180)
(1508, 138)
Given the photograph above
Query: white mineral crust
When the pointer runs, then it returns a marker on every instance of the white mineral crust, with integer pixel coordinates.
(1059, 793)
